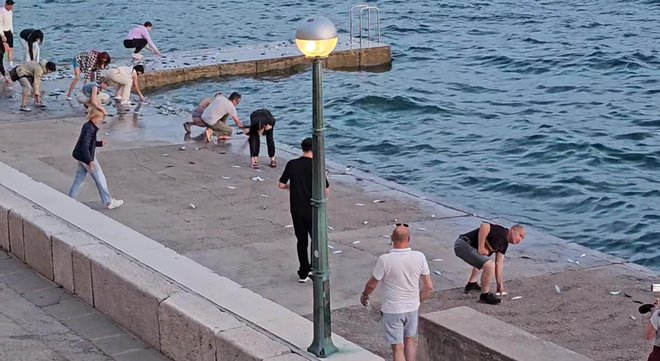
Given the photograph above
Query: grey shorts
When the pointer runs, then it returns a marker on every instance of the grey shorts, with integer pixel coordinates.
(469, 254)
(400, 325)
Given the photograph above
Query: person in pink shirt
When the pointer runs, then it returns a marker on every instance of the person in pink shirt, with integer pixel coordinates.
(139, 38)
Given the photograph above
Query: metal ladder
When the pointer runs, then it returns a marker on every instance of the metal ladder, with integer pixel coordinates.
(360, 10)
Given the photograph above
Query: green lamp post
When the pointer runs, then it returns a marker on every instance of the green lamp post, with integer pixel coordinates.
(316, 38)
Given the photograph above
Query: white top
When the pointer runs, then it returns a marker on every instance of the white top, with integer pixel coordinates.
(399, 272)
(219, 107)
(655, 321)
(6, 21)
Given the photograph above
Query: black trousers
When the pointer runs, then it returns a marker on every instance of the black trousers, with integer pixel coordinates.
(138, 44)
(255, 143)
(302, 226)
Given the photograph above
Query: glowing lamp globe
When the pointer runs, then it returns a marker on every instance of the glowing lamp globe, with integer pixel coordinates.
(316, 37)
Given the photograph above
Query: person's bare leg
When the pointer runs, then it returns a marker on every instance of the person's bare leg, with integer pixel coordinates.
(75, 80)
(410, 348)
(474, 276)
(487, 272)
(10, 55)
(397, 352)
(208, 133)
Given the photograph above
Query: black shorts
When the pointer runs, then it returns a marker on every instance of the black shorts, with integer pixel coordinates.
(10, 38)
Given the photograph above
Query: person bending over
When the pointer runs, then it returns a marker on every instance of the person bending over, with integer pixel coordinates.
(89, 63)
(216, 114)
(475, 248)
(124, 79)
(29, 76)
(139, 38)
(31, 40)
(261, 123)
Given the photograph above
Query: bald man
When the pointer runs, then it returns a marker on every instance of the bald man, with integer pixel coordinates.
(400, 270)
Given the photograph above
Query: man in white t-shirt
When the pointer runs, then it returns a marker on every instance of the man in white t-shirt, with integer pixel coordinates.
(400, 271)
(215, 116)
(653, 332)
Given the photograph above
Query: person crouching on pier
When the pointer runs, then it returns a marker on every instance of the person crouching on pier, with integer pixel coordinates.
(215, 116)
(84, 153)
(93, 96)
(89, 63)
(139, 38)
(29, 75)
(475, 248)
(31, 40)
(197, 113)
(125, 78)
(261, 123)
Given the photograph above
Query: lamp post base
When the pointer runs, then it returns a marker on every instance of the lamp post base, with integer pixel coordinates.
(323, 348)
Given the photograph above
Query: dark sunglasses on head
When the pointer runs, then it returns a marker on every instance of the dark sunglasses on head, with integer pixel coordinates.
(402, 224)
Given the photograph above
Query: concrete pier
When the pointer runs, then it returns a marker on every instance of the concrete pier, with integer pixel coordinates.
(186, 66)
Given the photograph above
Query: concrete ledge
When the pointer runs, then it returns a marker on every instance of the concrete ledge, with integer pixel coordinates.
(246, 344)
(82, 268)
(37, 232)
(130, 295)
(63, 247)
(462, 333)
(8, 201)
(188, 326)
(15, 223)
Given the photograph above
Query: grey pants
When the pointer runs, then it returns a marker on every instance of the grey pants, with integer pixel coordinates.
(469, 254)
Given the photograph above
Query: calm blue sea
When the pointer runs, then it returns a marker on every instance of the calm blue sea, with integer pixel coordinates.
(544, 112)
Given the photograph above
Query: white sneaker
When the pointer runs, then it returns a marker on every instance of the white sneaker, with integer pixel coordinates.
(137, 56)
(25, 108)
(115, 203)
(125, 102)
(11, 63)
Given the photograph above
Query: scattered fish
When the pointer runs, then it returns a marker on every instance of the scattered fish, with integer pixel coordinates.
(438, 260)
(197, 148)
(182, 148)
(433, 215)
(583, 255)
(257, 179)
(526, 257)
(226, 178)
(356, 242)
(106, 133)
(516, 298)
(656, 287)
(577, 263)
(386, 236)
(633, 318)
(359, 204)
(336, 252)
(377, 201)
(236, 166)
(331, 247)
(265, 195)
(422, 229)
(331, 228)
(231, 187)
(165, 154)
(438, 273)
(501, 294)
(615, 292)
(192, 206)
(557, 289)
(570, 260)
(365, 222)
(289, 226)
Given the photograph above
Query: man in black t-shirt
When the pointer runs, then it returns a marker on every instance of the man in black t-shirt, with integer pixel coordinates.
(475, 248)
(297, 178)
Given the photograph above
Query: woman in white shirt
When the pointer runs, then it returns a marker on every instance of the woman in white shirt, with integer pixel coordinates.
(125, 78)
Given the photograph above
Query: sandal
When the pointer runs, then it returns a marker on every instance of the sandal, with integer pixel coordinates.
(273, 163)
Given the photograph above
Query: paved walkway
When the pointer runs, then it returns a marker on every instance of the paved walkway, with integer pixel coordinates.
(39, 321)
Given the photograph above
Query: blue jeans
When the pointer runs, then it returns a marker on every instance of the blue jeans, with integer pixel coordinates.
(99, 179)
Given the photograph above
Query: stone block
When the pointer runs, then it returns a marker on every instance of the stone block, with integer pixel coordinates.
(240, 68)
(15, 220)
(82, 268)
(8, 201)
(37, 231)
(63, 246)
(202, 72)
(130, 294)
(464, 334)
(188, 324)
(246, 344)
(345, 59)
(163, 78)
(375, 56)
(284, 63)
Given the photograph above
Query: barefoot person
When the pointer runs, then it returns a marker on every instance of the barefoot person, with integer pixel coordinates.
(297, 179)
(215, 116)
(31, 40)
(124, 79)
(261, 123)
(7, 31)
(653, 332)
(400, 272)
(475, 248)
(197, 113)
(139, 38)
(87, 162)
(89, 63)
(29, 76)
